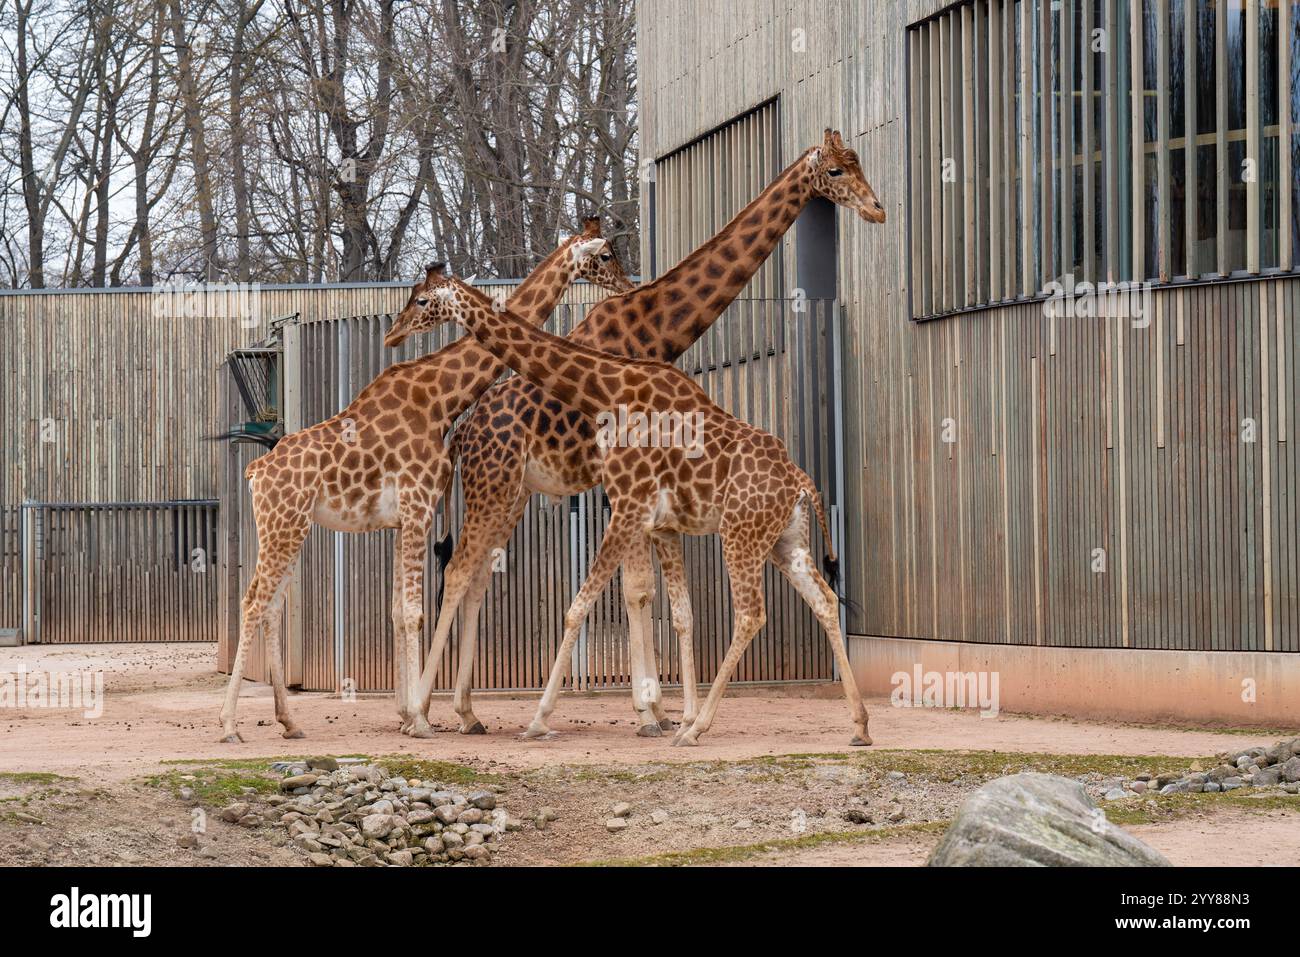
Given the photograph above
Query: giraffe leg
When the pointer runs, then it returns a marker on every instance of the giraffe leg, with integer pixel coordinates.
(469, 724)
(273, 620)
(638, 596)
(277, 547)
(397, 612)
(464, 583)
(669, 549)
(793, 557)
(414, 536)
(619, 537)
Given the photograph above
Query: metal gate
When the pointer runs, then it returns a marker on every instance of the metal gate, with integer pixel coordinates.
(771, 362)
(118, 571)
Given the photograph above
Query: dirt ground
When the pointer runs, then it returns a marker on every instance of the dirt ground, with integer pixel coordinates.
(774, 782)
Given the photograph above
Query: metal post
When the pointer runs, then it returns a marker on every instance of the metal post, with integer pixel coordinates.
(33, 547)
(344, 343)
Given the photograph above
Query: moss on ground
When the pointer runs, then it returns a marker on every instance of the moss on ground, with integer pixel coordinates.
(444, 772)
(215, 785)
(1166, 807)
(744, 852)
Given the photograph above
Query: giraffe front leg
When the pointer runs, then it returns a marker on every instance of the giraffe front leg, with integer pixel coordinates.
(414, 535)
(749, 617)
(673, 569)
(469, 723)
(273, 622)
(638, 596)
(619, 537)
(398, 614)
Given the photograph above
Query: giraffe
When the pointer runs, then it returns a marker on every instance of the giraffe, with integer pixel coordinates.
(518, 440)
(382, 463)
(717, 475)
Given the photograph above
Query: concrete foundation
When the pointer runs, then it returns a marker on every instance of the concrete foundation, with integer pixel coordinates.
(1241, 689)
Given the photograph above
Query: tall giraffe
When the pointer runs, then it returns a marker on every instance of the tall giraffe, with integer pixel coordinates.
(382, 462)
(695, 470)
(518, 440)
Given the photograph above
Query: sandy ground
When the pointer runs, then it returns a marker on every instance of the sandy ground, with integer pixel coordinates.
(162, 701)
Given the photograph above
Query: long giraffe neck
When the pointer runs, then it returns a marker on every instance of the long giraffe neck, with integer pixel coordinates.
(575, 374)
(533, 300)
(661, 320)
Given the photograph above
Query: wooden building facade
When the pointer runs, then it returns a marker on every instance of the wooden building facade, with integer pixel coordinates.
(1026, 474)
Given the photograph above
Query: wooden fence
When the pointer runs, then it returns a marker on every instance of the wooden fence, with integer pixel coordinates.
(140, 571)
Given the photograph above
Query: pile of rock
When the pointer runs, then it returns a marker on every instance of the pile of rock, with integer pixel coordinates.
(1277, 766)
(346, 813)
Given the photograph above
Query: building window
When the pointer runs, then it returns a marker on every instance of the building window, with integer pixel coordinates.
(1100, 141)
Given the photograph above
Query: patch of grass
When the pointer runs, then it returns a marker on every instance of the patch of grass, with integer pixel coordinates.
(214, 785)
(252, 764)
(446, 772)
(33, 777)
(1166, 807)
(727, 855)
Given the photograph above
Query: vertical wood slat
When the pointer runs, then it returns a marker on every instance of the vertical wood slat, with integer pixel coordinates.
(1163, 159)
(1087, 105)
(968, 138)
(1252, 135)
(1285, 197)
(1190, 133)
(995, 100)
(1137, 135)
(1221, 135)
(1067, 100)
(1047, 225)
(1026, 163)
(1111, 153)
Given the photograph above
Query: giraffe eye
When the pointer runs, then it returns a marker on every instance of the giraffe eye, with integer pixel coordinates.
(422, 302)
(835, 172)
(606, 256)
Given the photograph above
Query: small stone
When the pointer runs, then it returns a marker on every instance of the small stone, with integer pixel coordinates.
(377, 826)
(1267, 777)
(857, 816)
(896, 776)
(1231, 784)
(1212, 787)
(1115, 794)
(621, 809)
(1139, 787)
(323, 764)
(321, 860)
(616, 824)
(187, 793)
(897, 816)
(297, 781)
(401, 858)
(483, 800)
(549, 813)
(208, 851)
(744, 824)
(187, 840)
(435, 846)
(233, 812)
(658, 816)
(471, 815)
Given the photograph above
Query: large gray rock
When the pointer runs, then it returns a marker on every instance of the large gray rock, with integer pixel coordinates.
(1037, 820)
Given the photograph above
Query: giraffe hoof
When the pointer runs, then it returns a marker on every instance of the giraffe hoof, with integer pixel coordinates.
(649, 731)
(475, 728)
(685, 741)
(861, 741)
(235, 738)
(293, 733)
(538, 733)
(667, 724)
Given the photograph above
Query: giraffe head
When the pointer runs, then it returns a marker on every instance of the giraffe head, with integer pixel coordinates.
(437, 299)
(837, 175)
(594, 260)
(586, 256)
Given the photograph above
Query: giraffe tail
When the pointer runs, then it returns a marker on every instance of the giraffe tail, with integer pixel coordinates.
(830, 561)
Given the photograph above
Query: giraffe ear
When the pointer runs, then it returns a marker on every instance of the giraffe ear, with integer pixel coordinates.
(836, 139)
(591, 226)
(826, 136)
(588, 247)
